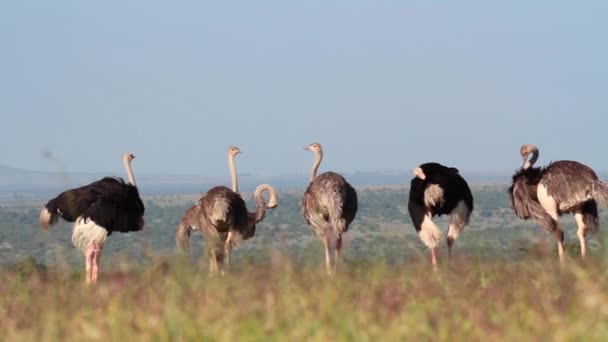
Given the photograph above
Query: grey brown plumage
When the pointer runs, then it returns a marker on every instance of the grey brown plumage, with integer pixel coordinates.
(524, 198)
(571, 183)
(545, 193)
(221, 215)
(329, 206)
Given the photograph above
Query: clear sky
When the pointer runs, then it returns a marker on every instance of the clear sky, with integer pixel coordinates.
(383, 85)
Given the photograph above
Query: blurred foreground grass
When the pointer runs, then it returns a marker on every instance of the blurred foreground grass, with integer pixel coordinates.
(467, 300)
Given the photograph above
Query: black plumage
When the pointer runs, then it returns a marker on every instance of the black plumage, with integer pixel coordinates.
(438, 190)
(97, 209)
(110, 202)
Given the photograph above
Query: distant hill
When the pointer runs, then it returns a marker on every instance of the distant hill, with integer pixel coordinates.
(5, 169)
(28, 183)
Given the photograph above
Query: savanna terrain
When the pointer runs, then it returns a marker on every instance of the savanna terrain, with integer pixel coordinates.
(504, 281)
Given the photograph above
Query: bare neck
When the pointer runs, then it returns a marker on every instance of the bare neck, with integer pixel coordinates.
(129, 171)
(315, 165)
(261, 207)
(530, 162)
(233, 175)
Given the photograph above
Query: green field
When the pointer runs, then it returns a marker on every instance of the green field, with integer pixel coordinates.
(469, 299)
(504, 281)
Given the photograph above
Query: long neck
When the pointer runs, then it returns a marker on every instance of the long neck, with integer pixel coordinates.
(261, 206)
(233, 175)
(129, 171)
(260, 209)
(315, 165)
(530, 162)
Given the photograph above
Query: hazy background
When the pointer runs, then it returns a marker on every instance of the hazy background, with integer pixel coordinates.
(384, 85)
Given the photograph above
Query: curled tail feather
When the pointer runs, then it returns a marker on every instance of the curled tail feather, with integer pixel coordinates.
(600, 193)
(49, 215)
(182, 237)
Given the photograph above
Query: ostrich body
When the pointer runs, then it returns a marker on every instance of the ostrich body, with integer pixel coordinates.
(437, 190)
(329, 205)
(545, 193)
(222, 216)
(97, 210)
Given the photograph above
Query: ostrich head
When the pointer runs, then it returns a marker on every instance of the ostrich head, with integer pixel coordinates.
(525, 151)
(128, 156)
(418, 172)
(233, 151)
(314, 147)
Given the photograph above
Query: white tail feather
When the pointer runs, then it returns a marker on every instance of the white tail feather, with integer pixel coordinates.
(86, 231)
(429, 233)
(48, 219)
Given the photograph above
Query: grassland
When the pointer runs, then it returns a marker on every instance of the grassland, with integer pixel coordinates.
(504, 282)
(468, 299)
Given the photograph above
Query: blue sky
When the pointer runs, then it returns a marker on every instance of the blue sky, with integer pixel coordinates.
(383, 85)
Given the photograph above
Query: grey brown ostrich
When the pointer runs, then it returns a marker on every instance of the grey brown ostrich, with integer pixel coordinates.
(329, 205)
(97, 210)
(543, 194)
(222, 216)
(436, 190)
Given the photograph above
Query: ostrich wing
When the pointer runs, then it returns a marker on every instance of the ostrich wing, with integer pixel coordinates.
(570, 183)
(416, 205)
(224, 210)
(74, 202)
(525, 203)
(118, 210)
(329, 196)
(351, 205)
(308, 205)
(523, 200)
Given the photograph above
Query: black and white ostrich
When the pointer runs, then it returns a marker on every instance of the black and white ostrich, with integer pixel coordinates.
(545, 193)
(437, 190)
(221, 215)
(97, 210)
(329, 205)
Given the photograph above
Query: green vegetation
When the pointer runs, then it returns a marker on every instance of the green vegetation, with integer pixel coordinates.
(381, 231)
(504, 281)
(470, 299)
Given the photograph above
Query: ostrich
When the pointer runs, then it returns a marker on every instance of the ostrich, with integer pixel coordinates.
(329, 205)
(222, 216)
(545, 193)
(97, 210)
(437, 190)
